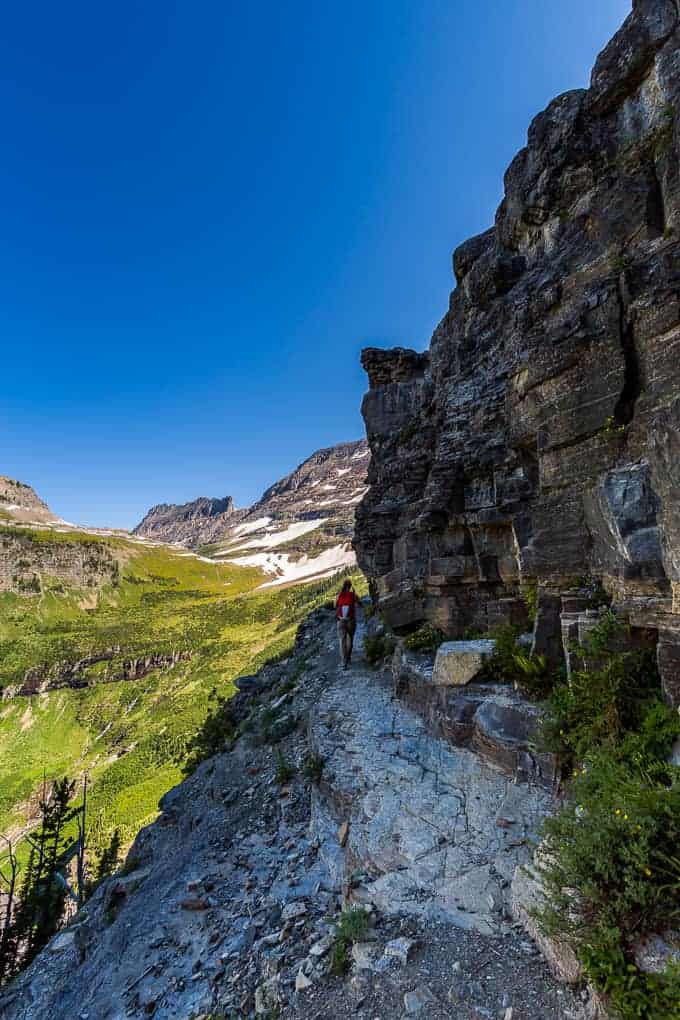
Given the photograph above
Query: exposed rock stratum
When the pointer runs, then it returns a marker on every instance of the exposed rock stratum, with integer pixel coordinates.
(537, 442)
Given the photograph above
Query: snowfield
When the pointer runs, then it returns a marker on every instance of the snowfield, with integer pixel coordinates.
(307, 568)
(274, 538)
(245, 529)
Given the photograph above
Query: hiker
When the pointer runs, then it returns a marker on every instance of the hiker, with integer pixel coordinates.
(346, 614)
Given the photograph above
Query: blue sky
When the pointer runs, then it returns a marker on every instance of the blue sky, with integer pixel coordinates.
(210, 207)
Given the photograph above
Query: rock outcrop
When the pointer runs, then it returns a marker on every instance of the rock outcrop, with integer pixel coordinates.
(75, 675)
(27, 556)
(20, 503)
(190, 524)
(537, 442)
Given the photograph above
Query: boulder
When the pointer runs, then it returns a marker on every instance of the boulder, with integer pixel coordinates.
(458, 662)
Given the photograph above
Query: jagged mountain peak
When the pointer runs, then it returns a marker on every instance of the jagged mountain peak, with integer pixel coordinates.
(198, 522)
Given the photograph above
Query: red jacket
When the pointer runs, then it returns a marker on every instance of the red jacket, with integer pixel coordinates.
(346, 598)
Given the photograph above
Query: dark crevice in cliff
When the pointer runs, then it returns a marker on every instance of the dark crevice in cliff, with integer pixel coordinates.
(632, 383)
(656, 211)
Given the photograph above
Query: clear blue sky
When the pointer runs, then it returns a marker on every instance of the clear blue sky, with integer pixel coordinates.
(210, 207)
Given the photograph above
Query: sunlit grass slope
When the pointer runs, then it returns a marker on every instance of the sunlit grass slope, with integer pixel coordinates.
(131, 736)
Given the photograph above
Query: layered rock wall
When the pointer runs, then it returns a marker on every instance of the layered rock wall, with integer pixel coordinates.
(26, 557)
(538, 441)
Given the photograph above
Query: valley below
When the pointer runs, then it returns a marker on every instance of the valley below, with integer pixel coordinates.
(115, 647)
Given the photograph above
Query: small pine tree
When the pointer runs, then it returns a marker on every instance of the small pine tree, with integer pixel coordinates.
(42, 897)
(8, 885)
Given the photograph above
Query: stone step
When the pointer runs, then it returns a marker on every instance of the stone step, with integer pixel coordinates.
(493, 720)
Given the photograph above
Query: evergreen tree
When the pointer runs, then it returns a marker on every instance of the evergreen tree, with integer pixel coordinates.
(43, 891)
(8, 890)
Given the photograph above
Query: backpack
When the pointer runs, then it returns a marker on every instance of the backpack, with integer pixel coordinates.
(345, 605)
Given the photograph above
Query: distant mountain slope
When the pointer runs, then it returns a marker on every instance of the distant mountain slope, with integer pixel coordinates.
(20, 503)
(190, 524)
(301, 528)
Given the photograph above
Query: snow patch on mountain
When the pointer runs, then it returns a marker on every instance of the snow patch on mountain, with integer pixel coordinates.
(307, 568)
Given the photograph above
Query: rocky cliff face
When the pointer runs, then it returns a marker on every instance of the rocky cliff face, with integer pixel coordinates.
(331, 481)
(538, 441)
(190, 524)
(81, 561)
(303, 525)
(75, 675)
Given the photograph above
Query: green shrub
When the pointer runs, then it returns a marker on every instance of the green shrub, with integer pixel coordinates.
(377, 647)
(614, 875)
(210, 739)
(600, 707)
(426, 639)
(531, 674)
(612, 871)
(501, 665)
(531, 602)
(313, 767)
(352, 927)
(512, 664)
(284, 770)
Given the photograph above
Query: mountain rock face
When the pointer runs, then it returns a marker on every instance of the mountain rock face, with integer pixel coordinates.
(190, 524)
(302, 527)
(81, 561)
(19, 502)
(537, 443)
(329, 480)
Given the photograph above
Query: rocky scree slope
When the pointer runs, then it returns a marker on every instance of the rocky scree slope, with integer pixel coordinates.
(300, 529)
(537, 442)
(330, 794)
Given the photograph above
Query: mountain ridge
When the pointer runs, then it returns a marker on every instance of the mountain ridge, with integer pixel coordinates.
(301, 527)
(198, 521)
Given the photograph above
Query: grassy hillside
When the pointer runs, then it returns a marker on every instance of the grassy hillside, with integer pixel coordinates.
(131, 735)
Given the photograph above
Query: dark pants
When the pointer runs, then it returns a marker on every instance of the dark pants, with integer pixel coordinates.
(346, 630)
